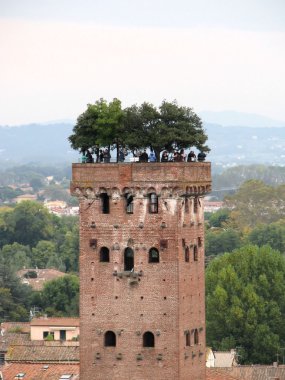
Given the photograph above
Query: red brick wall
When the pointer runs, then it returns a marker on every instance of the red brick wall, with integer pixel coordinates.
(168, 298)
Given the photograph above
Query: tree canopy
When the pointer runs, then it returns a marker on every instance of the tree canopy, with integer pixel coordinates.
(245, 295)
(169, 127)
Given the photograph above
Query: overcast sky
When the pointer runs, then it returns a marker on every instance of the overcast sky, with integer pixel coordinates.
(58, 55)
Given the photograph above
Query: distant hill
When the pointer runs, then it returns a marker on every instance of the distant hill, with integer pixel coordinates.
(48, 144)
(43, 143)
(240, 119)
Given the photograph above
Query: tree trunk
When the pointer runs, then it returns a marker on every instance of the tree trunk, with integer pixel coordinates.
(117, 146)
(157, 154)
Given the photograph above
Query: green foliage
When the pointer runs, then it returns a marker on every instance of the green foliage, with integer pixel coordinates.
(24, 226)
(61, 296)
(221, 240)
(7, 193)
(14, 297)
(36, 183)
(49, 338)
(43, 253)
(28, 223)
(245, 296)
(272, 234)
(256, 203)
(101, 124)
(218, 218)
(167, 127)
(16, 255)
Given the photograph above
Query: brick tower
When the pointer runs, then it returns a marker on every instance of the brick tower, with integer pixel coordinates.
(142, 293)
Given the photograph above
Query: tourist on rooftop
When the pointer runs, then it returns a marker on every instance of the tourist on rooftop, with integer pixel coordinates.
(201, 156)
(152, 156)
(144, 156)
(164, 157)
(191, 156)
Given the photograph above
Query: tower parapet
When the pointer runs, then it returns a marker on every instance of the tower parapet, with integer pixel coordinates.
(142, 301)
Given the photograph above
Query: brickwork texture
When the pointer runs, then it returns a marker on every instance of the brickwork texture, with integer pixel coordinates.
(142, 292)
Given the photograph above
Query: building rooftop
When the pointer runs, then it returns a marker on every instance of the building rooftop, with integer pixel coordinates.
(38, 371)
(55, 322)
(43, 275)
(220, 374)
(43, 353)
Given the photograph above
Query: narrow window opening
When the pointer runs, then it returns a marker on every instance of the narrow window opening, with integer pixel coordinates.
(129, 203)
(104, 255)
(187, 254)
(129, 259)
(153, 203)
(196, 337)
(188, 340)
(110, 339)
(199, 242)
(195, 205)
(148, 339)
(105, 203)
(186, 205)
(195, 253)
(2, 358)
(153, 256)
(93, 243)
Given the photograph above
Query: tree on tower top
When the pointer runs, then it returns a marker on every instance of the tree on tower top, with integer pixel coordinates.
(167, 127)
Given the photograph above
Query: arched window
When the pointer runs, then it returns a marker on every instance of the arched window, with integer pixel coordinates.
(153, 256)
(129, 259)
(187, 339)
(195, 253)
(148, 339)
(129, 203)
(110, 339)
(153, 203)
(196, 337)
(105, 203)
(104, 255)
(187, 254)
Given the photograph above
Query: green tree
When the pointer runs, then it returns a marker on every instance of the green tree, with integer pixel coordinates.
(272, 234)
(61, 296)
(169, 127)
(15, 297)
(256, 203)
(29, 223)
(218, 218)
(245, 302)
(16, 255)
(101, 124)
(219, 241)
(44, 255)
(36, 183)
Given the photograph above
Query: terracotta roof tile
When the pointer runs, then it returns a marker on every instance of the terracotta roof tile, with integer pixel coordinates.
(39, 371)
(219, 374)
(42, 353)
(55, 322)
